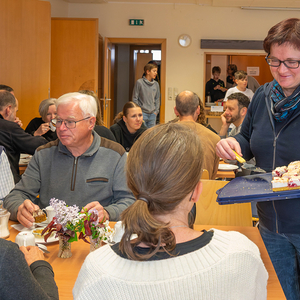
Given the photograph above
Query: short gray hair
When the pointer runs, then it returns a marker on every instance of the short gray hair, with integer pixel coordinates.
(86, 103)
(44, 106)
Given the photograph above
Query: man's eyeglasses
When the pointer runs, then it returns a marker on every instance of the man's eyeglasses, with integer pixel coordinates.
(68, 123)
(275, 62)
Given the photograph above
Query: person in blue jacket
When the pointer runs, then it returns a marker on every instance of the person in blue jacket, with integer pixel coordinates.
(270, 133)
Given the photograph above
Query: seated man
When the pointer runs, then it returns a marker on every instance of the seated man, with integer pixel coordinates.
(236, 110)
(24, 274)
(12, 136)
(80, 167)
(187, 108)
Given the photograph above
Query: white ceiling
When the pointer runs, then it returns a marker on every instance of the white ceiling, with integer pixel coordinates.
(217, 3)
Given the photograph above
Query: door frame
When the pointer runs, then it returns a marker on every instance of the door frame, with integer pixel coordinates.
(163, 45)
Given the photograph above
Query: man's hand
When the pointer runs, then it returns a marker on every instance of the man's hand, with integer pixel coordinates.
(25, 212)
(32, 254)
(18, 121)
(42, 129)
(225, 126)
(102, 213)
(224, 148)
(217, 87)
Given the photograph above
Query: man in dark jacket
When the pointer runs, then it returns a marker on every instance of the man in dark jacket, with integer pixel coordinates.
(12, 136)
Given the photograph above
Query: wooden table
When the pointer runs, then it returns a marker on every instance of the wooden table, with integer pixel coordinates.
(66, 270)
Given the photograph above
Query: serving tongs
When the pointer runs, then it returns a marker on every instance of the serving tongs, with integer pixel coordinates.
(247, 166)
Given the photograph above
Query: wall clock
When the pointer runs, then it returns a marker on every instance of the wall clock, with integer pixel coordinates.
(184, 40)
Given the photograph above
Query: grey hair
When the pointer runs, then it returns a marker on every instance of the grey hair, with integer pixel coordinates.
(6, 98)
(86, 103)
(44, 106)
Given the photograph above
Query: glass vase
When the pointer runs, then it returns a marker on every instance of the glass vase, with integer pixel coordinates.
(64, 247)
(95, 244)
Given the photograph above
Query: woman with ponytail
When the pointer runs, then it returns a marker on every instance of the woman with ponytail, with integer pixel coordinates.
(168, 259)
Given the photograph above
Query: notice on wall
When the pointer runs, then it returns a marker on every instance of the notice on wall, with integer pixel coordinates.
(253, 71)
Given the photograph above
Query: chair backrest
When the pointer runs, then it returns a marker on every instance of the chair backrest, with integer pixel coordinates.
(209, 212)
(205, 174)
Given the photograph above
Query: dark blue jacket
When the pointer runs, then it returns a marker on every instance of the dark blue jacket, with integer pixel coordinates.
(272, 144)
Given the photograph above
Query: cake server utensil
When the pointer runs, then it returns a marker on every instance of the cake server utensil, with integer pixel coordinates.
(247, 166)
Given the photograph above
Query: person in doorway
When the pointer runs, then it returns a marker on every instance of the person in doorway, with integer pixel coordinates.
(231, 69)
(241, 85)
(130, 127)
(253, 84)
(215, 87)
(146, 94)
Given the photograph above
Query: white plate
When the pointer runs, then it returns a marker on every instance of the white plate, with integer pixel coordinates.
(51, 239)
(226, 167)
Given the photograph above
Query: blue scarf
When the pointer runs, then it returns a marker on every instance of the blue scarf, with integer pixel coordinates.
(281, 105)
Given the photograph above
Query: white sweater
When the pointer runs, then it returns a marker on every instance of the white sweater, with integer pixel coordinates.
(229, 267)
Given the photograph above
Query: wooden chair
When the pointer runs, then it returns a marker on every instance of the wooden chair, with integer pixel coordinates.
(209, 212)
(205, 174)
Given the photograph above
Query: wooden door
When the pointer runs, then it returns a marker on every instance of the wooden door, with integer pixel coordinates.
(244, 61)
(74, 55)
(25, 28)
(107, 98)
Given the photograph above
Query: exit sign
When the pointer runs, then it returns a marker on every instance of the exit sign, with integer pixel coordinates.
(136, 22)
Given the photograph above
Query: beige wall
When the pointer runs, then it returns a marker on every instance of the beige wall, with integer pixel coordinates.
(185, 66)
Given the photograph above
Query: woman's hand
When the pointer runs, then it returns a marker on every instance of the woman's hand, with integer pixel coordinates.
(224, 148)
(42, 129)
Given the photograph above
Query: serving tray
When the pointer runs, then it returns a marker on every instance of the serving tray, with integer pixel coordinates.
(252, 188)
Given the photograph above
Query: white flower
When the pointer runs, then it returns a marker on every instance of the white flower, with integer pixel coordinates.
(64, 213)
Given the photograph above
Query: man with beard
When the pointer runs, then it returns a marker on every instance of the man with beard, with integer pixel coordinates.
(236, 109)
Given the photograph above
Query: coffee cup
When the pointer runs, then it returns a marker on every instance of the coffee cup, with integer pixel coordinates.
(50, 213)
(25, 238)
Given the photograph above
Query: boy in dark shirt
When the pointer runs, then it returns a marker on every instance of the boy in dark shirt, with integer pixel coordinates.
(215, 87)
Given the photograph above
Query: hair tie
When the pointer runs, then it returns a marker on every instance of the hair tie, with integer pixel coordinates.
(143, 199)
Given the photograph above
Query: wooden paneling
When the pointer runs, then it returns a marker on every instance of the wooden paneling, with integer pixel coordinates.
(244, 61)
(25, 27)
(74, 55)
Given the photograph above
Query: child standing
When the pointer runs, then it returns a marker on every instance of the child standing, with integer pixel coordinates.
(215, 87)
(241, 81)
(146, 94)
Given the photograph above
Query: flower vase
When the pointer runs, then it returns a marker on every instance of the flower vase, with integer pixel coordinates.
(95, 244)
(64, 247)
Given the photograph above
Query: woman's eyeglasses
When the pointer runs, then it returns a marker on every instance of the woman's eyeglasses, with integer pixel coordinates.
(275, 62)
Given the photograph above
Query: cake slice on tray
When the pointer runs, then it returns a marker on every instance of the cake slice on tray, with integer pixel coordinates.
(286, 178)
